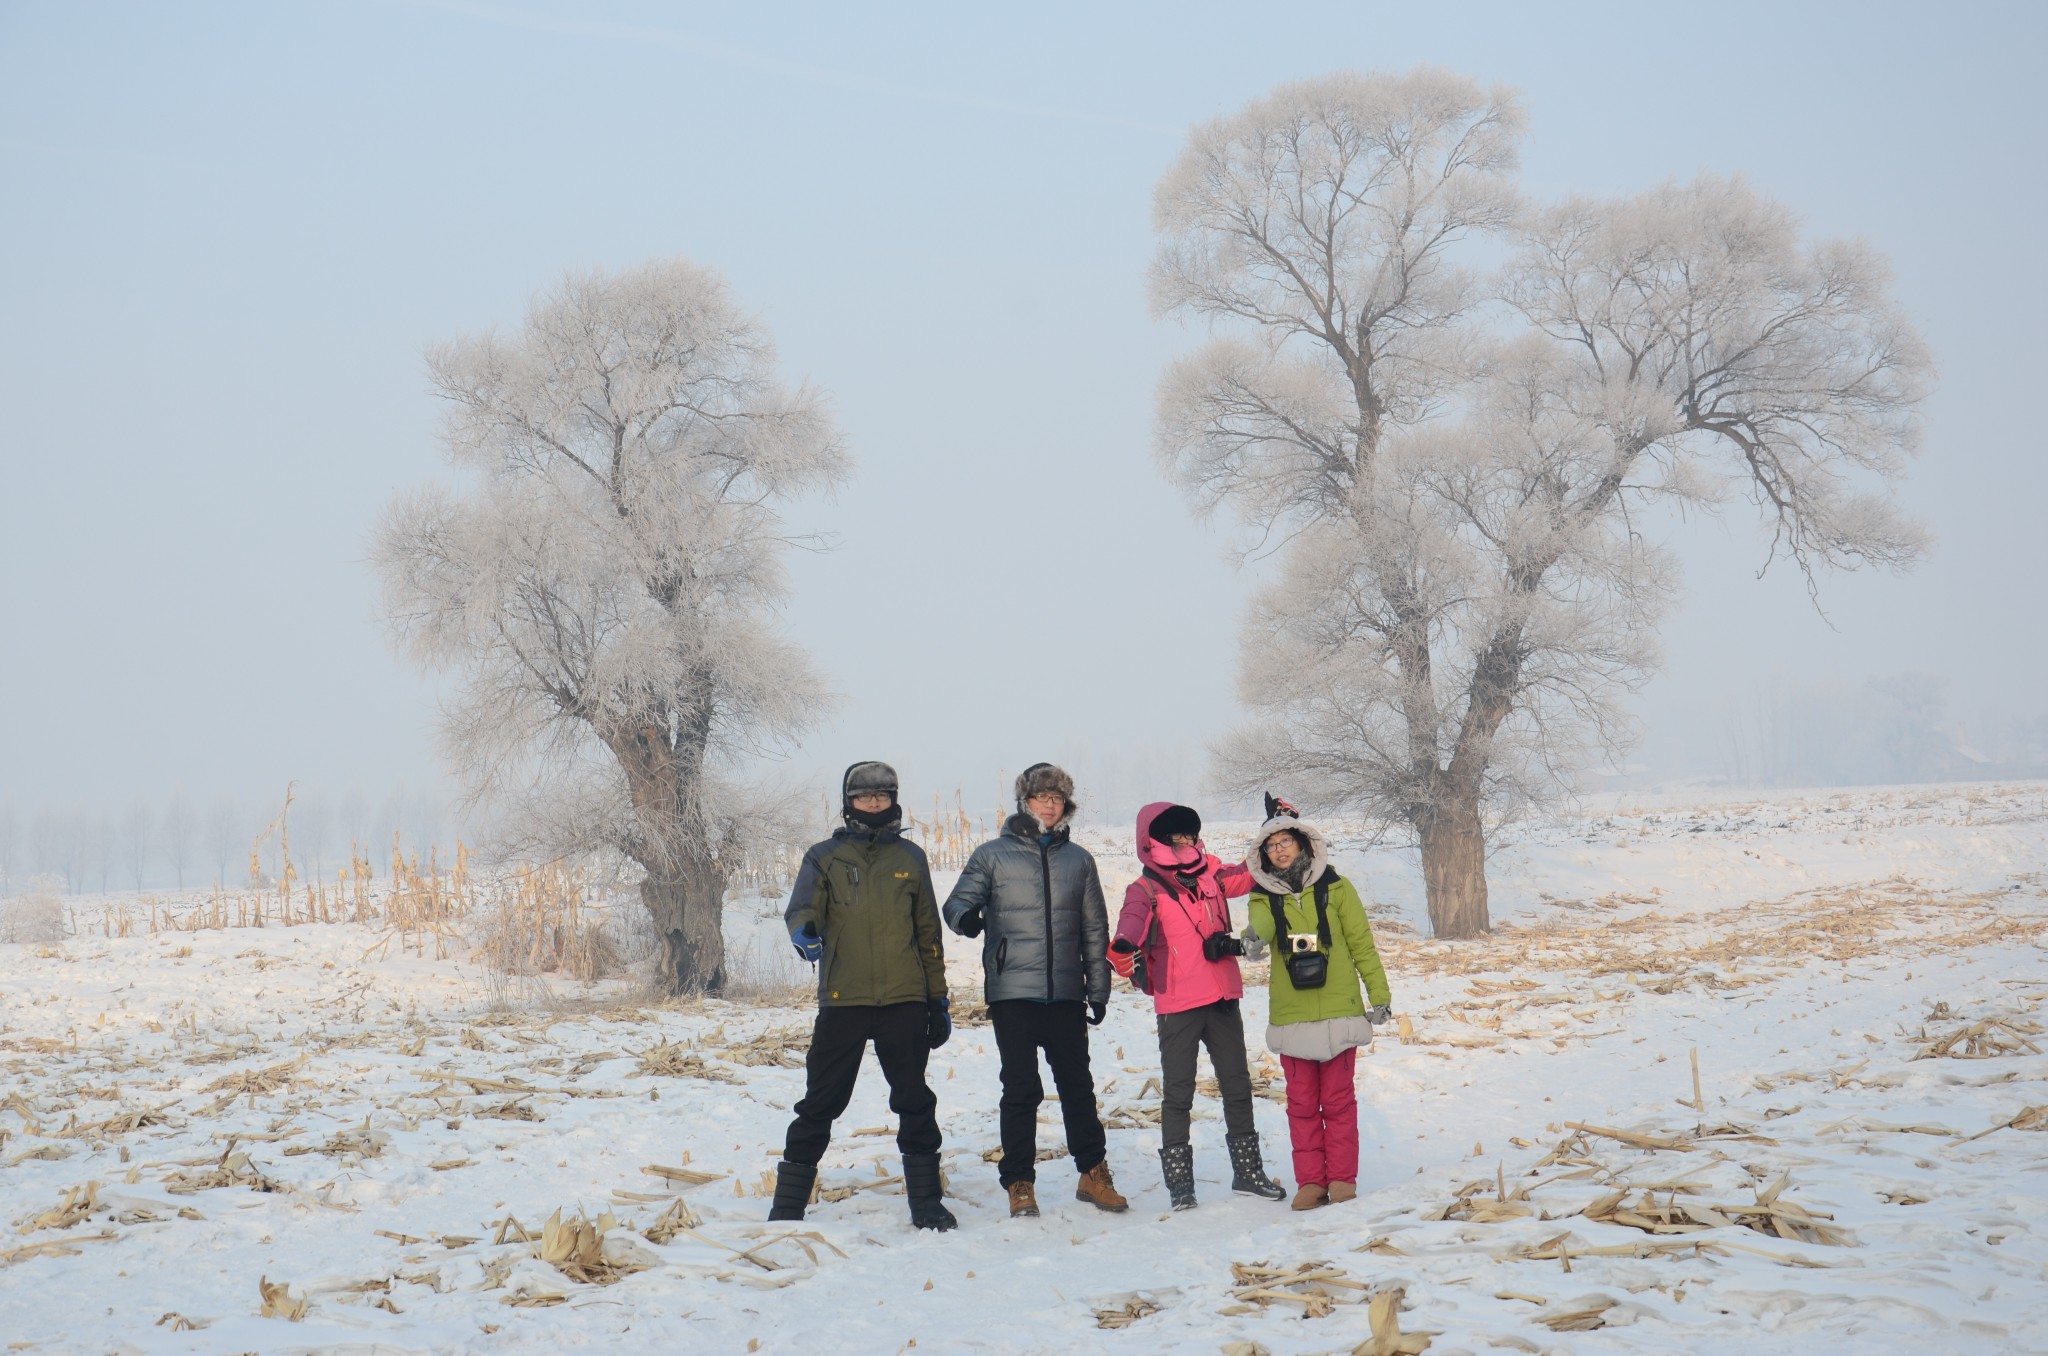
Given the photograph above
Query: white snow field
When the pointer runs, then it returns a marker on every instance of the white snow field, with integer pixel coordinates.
(186, 1118)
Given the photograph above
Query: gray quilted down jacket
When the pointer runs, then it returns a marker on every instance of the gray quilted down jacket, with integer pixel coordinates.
(1045, 930)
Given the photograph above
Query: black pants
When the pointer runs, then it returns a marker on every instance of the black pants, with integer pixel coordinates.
(1220, 1027)
(837, 1042)
(1023, 1028)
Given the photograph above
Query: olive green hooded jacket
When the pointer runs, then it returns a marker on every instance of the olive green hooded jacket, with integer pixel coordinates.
(869, 894)
(1353, 955)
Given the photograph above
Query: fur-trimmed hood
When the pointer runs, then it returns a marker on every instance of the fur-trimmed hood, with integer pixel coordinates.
(1268, 879)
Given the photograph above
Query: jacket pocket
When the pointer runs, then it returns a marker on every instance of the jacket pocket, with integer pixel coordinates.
(1002, 954)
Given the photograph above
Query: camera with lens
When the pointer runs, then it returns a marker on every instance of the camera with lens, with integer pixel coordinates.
(1217, 945)
(1308, 965)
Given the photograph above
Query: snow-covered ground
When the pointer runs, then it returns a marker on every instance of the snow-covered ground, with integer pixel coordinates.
(184, 1117)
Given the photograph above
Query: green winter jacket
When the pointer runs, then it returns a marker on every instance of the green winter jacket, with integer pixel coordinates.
(1353, 956)
(869, 894)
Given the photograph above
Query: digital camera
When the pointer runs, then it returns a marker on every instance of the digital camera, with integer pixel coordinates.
(1301, 942)
(1217, 945)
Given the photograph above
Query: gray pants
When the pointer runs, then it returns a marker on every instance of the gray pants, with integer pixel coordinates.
(1219, 1027)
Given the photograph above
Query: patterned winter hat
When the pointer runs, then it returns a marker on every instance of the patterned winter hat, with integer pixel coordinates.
(1043, 777)
(867, 777)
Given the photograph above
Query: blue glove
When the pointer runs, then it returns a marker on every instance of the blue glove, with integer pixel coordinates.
(969, 924)
(938, 1022)
(1381, 1014)
(808, 943)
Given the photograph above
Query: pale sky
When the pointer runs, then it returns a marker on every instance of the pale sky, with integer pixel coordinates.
(228, 230)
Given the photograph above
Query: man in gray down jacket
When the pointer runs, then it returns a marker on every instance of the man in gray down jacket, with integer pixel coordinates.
(1034, 898)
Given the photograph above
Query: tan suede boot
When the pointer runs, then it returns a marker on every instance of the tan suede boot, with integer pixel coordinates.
(1311, 1195)
(1098, 1190)
(1341, 1192)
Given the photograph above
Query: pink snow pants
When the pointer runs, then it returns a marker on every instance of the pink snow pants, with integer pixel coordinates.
(1322, 1118)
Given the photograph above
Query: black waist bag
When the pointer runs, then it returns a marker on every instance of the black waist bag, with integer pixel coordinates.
(1306, 969)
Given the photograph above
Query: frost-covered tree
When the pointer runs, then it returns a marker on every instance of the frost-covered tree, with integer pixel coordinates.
(223, 834)
(605, 585)
(98, 828)
(10, 831)
(1453, 465)
(178, 827)
(138, 824)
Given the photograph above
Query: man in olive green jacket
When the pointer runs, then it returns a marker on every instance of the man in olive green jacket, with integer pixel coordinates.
(864, 910)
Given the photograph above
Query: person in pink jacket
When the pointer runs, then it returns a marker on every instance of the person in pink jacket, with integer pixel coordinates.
(1175, 941)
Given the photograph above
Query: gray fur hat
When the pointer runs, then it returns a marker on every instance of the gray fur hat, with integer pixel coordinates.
(1042, 777)
(866, 777)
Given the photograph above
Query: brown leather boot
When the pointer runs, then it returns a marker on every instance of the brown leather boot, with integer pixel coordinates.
(1341, 1192)
(1098, 1190)
(1311, 1195)
(1023, 1201)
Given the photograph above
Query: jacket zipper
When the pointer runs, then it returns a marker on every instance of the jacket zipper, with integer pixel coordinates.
(1045, 866)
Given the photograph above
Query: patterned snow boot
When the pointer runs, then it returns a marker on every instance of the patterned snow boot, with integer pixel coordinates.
(1248, 1170)
(1177, 1162)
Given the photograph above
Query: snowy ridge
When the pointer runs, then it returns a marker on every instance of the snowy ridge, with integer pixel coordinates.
(188, 1115)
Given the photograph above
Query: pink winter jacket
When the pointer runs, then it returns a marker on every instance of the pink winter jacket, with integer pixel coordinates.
(1181, 978)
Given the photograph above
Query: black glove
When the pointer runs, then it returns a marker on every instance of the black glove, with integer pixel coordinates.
(938, 1022)
(969, 924)
(1096, 1012)
(1381, 1014)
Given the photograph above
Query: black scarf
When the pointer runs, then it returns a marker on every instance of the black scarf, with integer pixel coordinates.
(874, 821)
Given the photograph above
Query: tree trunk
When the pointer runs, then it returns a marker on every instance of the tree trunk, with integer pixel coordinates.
(684, 890)
(687, 910)
(1454, 869)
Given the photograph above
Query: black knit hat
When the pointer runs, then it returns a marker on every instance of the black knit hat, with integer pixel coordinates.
(1176, 819)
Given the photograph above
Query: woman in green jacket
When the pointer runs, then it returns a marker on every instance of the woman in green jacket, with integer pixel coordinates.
(1322, 951)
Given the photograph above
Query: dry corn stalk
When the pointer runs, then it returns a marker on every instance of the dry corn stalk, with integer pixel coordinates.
(1133, 1309)
(1583, 1319)
(687, 1176)
(232, 1168)
(2033, 1118)
(256, 1082)
(670, 1060)
(53, 1247)
(1259, 1284)
(674, 1220)
(80, 1203)
(782, 1049)
(278, 1301)
(361, 1141)
(1387, 1339)
(589, 1251)
(1983, 1040)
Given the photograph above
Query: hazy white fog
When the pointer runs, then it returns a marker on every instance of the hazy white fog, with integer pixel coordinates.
(227, 230)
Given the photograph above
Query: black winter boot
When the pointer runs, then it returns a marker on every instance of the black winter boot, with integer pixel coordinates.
(1248, 1170)
(1177, 1161)
(921, 1184)
(793, 1183)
